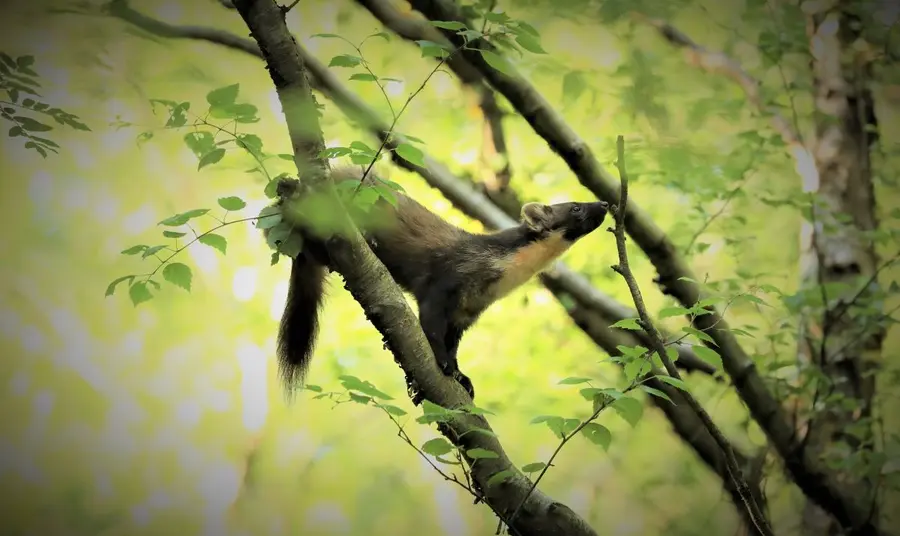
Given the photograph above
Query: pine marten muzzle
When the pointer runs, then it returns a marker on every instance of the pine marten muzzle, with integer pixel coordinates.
(453, 274)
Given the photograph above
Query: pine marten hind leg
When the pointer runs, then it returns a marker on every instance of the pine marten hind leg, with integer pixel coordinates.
(442, 335)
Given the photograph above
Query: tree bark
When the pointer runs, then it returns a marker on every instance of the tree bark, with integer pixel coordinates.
(843, 337)
(371, 285)
(675, 278)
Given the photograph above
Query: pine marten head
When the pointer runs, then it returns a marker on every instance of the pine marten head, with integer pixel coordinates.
(570, 221)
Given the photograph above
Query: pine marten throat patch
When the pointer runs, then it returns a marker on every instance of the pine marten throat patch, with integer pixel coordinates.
(522, 264)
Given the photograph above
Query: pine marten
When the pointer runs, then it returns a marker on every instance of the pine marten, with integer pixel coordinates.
(453, 274)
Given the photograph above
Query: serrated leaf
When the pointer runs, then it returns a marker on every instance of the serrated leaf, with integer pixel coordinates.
(500, 476)
(480, 453)
(111, 289)
(411, 154)
(497, 61)
(656, 393)
(210, 158)
(139, 293)
(667, 312)
(674, 382)
(530, 43)
(708, 354)
(223, 96)
(430, 49)
(699, 334)
(184, 217)
(363, 77)
(597, 434)
(133, 250)
(345, 60)
(27, 123)
(448, 24)
(152, 251)
(393, 410)
(437, 447)
(214, 241)
(533, 467)
(173, 234)
(268, 217)
(627, 323)
(231, 203)
(573, 380)
(629, 409)
(178, 274)
(363, 386)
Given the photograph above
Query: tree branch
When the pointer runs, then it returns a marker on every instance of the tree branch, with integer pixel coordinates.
(675, 277)
(754, 513)
(371, 285)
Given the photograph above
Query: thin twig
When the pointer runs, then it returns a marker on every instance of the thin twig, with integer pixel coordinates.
(755, 514)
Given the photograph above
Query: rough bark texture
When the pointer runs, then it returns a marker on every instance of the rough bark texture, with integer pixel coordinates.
(675, 278)
(843, 341)
(372, 286)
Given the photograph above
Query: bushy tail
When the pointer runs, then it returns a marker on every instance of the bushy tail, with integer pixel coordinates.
(299, 322)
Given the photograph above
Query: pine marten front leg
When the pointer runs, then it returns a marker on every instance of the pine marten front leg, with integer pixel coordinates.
(437, 307)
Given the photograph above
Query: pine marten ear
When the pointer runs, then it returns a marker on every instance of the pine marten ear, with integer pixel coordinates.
(537, 217)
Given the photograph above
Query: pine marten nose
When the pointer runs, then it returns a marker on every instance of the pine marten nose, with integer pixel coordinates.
(604, 204)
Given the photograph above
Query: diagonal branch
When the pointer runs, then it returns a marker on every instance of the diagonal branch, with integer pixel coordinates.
(460, 194)
(371, 285)
(675, 276)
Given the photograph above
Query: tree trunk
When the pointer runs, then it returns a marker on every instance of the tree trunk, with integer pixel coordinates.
(841, 340)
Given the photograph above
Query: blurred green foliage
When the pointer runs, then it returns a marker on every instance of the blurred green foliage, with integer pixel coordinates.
(167, 417)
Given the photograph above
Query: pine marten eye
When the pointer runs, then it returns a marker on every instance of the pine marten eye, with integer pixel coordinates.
(576, 209)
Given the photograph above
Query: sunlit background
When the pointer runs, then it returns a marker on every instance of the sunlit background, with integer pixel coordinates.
(167, 418)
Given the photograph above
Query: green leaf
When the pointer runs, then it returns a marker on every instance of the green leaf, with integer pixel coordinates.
(556, 424)
(231, 203)
(393, 410)
(152, 251)
(27, 123)
(24, 62)
(497, 61)
(448, 24)
(133, 250)
(214, 241)
(597, 434)
(674, 382)
(480, 453)
(573, 380)
(699, 334)
(656, 392)
(200, 142)
(708, 354)
(430, 49)
(627, 323)
(326, 35)
(173, 234)
(268, 217)
(533, 467)
(500, 476)
(184, 217)
(223, 96)
(636, 368)
(292, 245)
(312, 387)
(352, 383)
(629, 409)
(139, 293)
(363, 77)
(111, 289)
(667, 312)
(530, 43)
(210, 158)
(345, 60)
(360, 399)
(178, 274)
(411, 154)
(437, 446)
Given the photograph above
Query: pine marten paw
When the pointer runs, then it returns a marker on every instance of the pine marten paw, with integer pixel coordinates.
(465, 382)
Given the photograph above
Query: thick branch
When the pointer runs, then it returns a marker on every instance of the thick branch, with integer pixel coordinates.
(462, 195)
(372, 286)
(675, 277)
